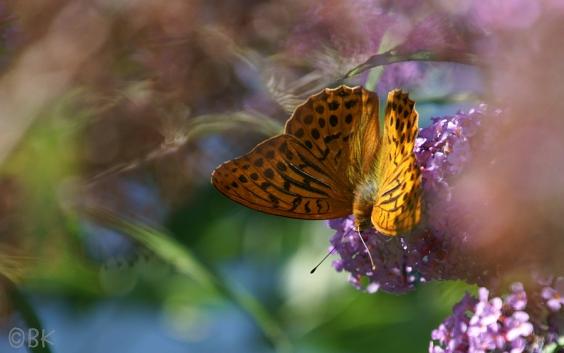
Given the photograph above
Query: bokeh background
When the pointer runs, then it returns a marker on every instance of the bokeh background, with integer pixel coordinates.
(113, 113)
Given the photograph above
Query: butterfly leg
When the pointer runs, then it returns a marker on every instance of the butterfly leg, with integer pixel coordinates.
(366, 247)
(357, 230)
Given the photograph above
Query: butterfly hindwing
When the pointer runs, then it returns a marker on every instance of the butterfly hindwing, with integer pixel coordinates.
(397, 207)
(283, 177)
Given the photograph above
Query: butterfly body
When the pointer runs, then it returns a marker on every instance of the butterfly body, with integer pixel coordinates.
(332, 162)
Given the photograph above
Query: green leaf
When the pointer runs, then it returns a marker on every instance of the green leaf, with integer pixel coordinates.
(170, 251)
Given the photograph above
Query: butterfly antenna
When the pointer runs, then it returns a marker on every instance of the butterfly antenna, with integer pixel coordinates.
(322, 260)
(367, 250)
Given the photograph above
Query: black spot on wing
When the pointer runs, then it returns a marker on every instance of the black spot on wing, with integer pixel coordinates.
(315, 134)
(351, 103)
(269, 173)
(329, 138)
(333, 105)
(295, 203)
(274, 200)
(333, 120)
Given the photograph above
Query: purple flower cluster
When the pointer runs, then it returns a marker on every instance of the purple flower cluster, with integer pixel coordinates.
(435, 249)
(486, 325)
(552, 298)
(496, 325)
(393, 271)
(442, 247)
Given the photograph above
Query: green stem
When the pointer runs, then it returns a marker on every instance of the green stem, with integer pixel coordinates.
(392, 56)
(204, 124)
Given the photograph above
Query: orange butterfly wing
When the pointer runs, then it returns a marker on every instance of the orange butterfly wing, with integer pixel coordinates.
(282, 177)
(310, 171)
(397, 207)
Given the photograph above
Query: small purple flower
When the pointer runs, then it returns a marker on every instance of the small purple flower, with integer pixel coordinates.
(518, 298)
(554, 296)
(451, 333)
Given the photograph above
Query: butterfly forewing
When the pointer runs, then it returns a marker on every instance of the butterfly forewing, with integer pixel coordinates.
(340, 127)
(397, 207)
(283, 177)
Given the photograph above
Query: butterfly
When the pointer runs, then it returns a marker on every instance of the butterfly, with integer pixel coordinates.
(331, 161)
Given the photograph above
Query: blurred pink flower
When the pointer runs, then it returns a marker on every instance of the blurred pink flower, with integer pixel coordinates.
(350, 28)
(554, 296)
(504, 14)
